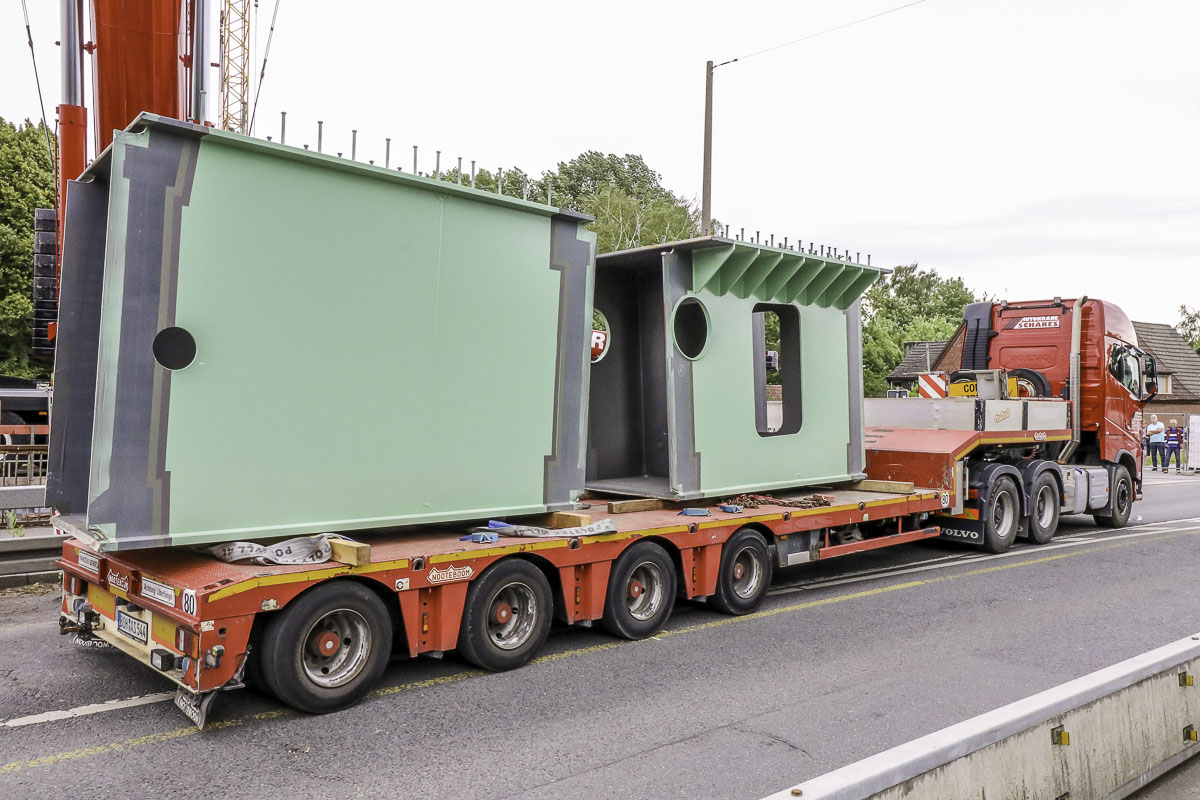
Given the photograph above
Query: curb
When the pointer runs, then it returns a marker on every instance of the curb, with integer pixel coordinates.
(24, 544)
(24, 579)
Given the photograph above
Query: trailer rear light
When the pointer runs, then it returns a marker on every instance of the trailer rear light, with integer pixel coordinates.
(163, 660)
(187, 642)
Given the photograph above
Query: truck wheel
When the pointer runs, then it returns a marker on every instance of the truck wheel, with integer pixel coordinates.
(507, 616)
(1001, 516)
(745, 573)
(327, 648)
(1122, 501)
(1030, 382)
(641, 592)
(1043, 512)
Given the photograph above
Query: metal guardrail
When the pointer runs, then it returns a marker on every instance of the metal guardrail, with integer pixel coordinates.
(23, 470)
(1100, 737)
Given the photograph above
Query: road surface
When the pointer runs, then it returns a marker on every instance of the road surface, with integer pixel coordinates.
(847, 658)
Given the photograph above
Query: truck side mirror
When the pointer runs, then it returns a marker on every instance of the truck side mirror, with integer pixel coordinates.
(1151, 381)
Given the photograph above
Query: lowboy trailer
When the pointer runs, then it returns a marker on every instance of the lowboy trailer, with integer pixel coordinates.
(319, 636)
(673, 413)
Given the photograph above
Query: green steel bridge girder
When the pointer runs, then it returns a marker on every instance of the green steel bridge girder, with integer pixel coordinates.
(783, 276)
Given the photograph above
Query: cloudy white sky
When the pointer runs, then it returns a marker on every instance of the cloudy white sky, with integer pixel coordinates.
(1032, 147)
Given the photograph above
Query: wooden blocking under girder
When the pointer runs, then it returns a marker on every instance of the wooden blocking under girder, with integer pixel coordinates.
(630, 506)
(356, 554)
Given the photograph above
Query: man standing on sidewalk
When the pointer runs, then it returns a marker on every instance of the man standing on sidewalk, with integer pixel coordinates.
(1174, 440)
(1157, 433)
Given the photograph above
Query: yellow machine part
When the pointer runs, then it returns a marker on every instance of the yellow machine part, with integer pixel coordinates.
(971, 388)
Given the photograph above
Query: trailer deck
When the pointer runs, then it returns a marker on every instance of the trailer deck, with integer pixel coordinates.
(143, 599)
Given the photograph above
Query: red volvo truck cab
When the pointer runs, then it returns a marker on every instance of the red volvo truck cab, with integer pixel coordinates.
(1084, 351)
(1034, 342)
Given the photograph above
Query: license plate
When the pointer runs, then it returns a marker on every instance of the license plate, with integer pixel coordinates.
(133, 627)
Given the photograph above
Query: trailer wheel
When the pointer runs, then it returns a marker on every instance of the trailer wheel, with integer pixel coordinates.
(641, 592)
(1001, 516)
(507, 616)
(1122, 501)
(744, 575)
(1044, 510)
(327, 648)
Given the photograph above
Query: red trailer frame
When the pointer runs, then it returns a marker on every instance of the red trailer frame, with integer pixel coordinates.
(203, 611)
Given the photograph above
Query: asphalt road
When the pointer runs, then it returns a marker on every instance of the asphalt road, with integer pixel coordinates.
(846, 658)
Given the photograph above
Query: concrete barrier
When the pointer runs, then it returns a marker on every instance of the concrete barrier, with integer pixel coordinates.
(1100, 737)
(22, 496)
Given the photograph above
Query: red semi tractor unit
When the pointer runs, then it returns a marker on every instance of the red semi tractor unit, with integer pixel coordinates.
(1083, 351)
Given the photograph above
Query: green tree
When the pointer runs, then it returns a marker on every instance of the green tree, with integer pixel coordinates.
(26, 183)
(623, 222)
(1189, 326)
(911, 304)
(583, 177)
(631, 206)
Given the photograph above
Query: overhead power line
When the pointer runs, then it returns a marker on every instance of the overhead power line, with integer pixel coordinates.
(819, 33)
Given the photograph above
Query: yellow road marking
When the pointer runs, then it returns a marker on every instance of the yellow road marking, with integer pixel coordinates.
(426, 684)
(156, 738)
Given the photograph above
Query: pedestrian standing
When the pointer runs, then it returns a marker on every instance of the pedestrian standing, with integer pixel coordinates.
(1174, 442)
(1158, 438)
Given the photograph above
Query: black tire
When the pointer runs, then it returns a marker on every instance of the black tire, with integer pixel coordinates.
(641, 592)
(1034, 381)
(1122, 501)
(13, 418)
(347, 619)
(1045, 503)
(1001, 516)
(507, 616)
(745, 573)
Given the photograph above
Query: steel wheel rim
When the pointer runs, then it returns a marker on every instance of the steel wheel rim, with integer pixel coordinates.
(1122, 500)
(644, 591)
(1002, 513)
(512, 616)
(329, 663)
(1045, 507)
(747, 572)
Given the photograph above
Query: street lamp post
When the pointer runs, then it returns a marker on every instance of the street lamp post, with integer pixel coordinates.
(706, 190)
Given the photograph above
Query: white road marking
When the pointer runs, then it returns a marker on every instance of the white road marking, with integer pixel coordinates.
(1075, 540)
(88, 710)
